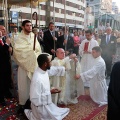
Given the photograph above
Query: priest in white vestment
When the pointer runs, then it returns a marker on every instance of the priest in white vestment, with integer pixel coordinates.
(85, 49)
(60, 81)
(74, 89)
(26, 58)
(42, 107)
(96, 76)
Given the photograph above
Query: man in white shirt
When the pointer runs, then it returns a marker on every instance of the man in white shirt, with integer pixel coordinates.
(96, 76)
(42, 107)
(85, 50)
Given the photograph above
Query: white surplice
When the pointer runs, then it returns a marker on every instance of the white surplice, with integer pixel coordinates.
(74, 88)
(41, 103)
(60, 81)
(98, 86)
(87, 60)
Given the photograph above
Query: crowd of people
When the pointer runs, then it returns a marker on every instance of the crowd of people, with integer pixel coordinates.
(54, 68)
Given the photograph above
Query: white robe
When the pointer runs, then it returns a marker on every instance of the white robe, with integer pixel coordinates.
(98, 86)
(74, 88)
(87, 60)
(26, 58)
(60, 81)
(41, 102)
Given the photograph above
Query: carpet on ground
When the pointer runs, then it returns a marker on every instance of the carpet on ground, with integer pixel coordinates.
(85, 109)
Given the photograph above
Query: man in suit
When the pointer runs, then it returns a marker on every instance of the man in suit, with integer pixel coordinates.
(5, 70)
(66, 41)
(4, 36)
(108, 45)
(50, 39)
(3, 30)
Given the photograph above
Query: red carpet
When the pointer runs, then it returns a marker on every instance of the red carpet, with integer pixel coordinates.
(86, 109)
(9, 112)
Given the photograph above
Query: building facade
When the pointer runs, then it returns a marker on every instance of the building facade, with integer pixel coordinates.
(115, 8)
(52, 10)
(74, 13)
(99, 8)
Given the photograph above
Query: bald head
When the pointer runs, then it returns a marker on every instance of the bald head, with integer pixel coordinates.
(60, 53)
(3, 30)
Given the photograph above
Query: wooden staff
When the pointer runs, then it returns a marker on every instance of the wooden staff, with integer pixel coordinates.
(54, 23)
(75, 92)
(65, 38)
(35, 17)
(65, 22)
(54, 42)
(39, 15)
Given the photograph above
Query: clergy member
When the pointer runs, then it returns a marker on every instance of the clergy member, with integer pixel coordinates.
(85, 50)
(96, 76)
(74, 89)
(60, 81)
(42, 107)
(26, 58)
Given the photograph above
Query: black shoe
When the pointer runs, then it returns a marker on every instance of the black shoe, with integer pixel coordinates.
(20, 110)
(27, 104)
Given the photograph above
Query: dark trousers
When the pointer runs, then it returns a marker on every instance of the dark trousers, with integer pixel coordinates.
(5, 84)
(108, 62)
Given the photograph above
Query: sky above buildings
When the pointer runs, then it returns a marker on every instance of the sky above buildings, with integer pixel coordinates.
(117, 1)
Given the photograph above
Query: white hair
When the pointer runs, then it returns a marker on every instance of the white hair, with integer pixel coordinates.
(109, 28)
